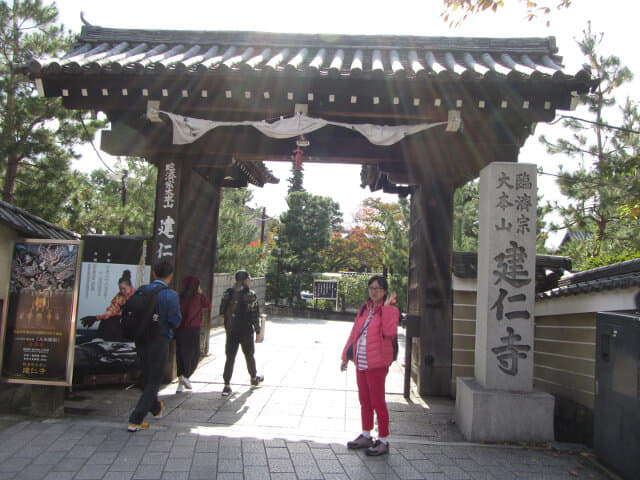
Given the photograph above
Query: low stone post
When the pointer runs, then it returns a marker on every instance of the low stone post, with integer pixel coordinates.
(47, 401)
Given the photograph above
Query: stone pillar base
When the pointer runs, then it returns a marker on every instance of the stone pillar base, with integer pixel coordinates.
(485, 415)
(47, 401)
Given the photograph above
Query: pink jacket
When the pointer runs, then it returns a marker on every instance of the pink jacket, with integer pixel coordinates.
(383, 324)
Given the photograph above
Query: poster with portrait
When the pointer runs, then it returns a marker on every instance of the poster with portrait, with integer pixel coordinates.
(38, 329)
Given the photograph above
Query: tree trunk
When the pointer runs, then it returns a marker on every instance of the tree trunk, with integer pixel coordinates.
(10, 178)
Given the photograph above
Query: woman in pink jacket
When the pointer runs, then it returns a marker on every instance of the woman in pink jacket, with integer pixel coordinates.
(370, 346)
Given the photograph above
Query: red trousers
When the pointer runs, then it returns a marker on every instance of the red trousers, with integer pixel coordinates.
(371, 395)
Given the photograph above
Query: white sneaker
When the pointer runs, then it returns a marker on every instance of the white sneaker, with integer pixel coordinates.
(186, 383)
(180, 388)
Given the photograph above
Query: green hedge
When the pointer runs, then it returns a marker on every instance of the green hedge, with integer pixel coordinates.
(352, 290)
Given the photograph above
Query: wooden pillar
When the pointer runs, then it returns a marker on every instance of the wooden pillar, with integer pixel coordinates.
(165, 228)
(166, 218)
(430, 295)
(197, 235)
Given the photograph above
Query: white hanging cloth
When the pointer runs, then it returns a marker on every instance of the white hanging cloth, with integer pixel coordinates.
(188, 130)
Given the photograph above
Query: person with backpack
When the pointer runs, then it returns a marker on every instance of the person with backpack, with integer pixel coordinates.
(241, 318)
(192, 303)
(152, 338)
(371, 348)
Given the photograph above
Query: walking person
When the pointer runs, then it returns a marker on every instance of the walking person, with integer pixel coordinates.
(192, 303)
(153, 350)
(241, 319)
(370, 347)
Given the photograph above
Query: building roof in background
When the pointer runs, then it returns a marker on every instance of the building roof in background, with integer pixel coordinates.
(579, 236)
(549, 268)
(611, 277)
(551, 280)
(31, 226)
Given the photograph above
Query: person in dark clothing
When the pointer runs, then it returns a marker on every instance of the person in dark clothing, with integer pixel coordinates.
(153, 352)
(241, 318)
(192, 303)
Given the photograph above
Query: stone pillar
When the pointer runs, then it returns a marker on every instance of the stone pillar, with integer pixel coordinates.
(47, 401)
(499, 404)
(430, 295)
(506, 277)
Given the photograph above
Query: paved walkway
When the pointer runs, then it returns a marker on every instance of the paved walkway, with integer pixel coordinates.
(294, 426)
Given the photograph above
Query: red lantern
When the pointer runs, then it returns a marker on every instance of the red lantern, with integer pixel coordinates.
(299, 154)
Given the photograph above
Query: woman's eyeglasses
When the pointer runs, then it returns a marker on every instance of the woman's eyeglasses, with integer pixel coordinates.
(375, 288)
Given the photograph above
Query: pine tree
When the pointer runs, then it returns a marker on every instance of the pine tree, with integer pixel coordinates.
(113, 202)
(304, 235)
(37, 135)
(605, 181)
(296, 179)
(237, 247)
(465, 217)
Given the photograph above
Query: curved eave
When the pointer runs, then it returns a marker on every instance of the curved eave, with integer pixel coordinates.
(104, 51)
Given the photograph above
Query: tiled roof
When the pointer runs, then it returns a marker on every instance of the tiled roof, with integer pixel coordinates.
(611, 277)
(578, 236)
(549, 268)
(256, 172)
(32, 226)
(115, 51)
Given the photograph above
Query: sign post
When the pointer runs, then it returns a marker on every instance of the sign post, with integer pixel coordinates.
(325, 290)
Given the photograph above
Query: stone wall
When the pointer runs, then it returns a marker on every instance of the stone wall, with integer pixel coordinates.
(464, 329)
(564, 350)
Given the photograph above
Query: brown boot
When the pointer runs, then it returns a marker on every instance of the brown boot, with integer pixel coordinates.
(379, 448)
(360, 442)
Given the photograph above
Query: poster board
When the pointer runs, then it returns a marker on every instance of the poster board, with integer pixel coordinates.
(38, 328)
(99, 284)
(104, 260)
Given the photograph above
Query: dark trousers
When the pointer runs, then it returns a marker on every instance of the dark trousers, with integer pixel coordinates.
(231, 349)
(187, 350)
(153, 357)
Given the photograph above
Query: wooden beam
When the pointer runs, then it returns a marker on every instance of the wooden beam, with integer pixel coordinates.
(457, 157)
(242, 96)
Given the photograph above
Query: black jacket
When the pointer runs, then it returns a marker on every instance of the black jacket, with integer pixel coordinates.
(241, 311)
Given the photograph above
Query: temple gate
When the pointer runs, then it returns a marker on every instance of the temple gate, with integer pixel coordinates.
(477, 98)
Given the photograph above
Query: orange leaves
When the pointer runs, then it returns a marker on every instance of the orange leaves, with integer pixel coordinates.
(457, 11)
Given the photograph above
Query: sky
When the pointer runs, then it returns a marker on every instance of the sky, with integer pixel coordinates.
(402, 17)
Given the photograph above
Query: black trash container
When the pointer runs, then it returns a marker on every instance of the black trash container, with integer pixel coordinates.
(617, 402)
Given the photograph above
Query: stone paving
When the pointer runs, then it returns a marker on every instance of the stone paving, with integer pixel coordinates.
(294, 426)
